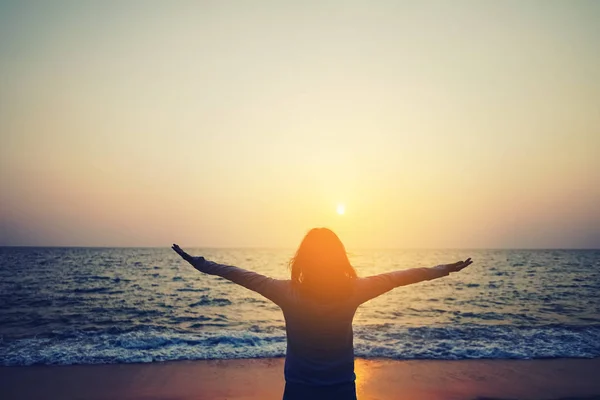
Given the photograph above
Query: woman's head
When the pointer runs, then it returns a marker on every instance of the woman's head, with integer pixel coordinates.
(321, 262)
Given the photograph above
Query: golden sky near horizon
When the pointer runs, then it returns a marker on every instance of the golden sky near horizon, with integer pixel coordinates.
(436, 124)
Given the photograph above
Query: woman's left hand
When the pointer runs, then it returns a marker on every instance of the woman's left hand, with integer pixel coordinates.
(182, 253)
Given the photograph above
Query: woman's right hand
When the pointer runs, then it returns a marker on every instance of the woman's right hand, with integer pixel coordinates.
(457, 266)
(182, 253)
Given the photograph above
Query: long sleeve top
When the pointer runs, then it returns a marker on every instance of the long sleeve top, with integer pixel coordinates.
(320, 349)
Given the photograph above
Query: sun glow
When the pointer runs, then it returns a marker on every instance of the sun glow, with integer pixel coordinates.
(341, 209)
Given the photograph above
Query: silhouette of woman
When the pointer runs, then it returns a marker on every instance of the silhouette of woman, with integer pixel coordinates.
(318, 303)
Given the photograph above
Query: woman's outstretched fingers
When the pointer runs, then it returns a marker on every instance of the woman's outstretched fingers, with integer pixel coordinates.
(465, 264)
(459, 265)
(178, 250)
(182, 253)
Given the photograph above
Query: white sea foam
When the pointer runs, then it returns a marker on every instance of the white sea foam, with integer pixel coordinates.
(391, 342)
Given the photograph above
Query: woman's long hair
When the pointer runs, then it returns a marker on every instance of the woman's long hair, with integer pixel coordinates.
(321, 267)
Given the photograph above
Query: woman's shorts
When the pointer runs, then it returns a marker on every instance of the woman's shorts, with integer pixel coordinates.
(342, 391)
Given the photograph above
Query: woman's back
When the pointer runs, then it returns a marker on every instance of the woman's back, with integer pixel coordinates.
(320, 347)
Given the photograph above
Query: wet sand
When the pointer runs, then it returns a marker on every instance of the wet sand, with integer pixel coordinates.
(254, 379)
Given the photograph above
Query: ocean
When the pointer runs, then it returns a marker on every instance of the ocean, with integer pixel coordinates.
(126, 305)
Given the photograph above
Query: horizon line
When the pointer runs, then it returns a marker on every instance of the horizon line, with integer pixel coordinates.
(291, 248)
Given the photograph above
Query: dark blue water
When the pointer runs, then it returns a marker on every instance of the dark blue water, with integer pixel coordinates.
(85, 306)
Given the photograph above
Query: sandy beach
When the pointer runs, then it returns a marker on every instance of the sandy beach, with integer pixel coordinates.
(251, 379)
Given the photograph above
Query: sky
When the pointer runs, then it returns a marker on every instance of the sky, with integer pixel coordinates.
(463, 124)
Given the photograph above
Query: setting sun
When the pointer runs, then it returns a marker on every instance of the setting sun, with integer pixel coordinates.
(341, 209)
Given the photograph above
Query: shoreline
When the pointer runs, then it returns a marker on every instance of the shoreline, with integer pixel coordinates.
(262, 378)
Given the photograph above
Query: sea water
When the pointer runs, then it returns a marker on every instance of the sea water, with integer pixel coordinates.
(122, 305)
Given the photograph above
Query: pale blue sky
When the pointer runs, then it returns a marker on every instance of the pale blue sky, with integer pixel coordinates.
(437, 124)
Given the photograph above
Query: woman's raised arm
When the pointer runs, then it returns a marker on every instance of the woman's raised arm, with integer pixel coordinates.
(273, 289)
(373, 286)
